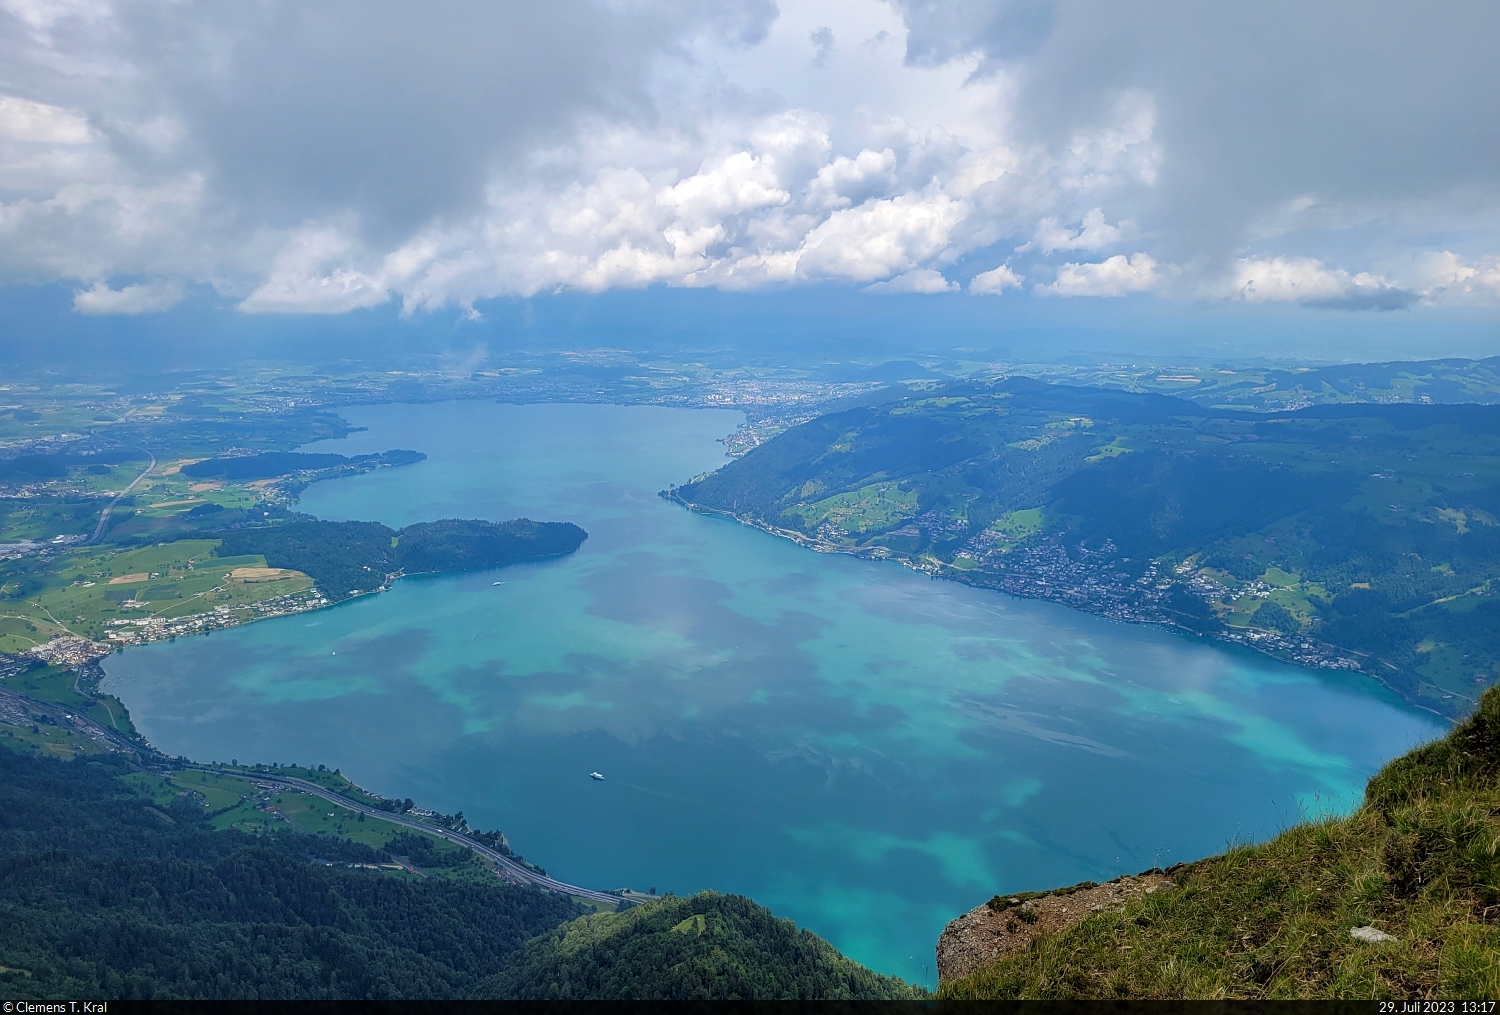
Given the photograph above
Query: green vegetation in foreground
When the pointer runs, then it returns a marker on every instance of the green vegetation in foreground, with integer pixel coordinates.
(706, 947)
(120, 884)
(347, 558)
(1420, 860)
(1345, 535)
(188, 883)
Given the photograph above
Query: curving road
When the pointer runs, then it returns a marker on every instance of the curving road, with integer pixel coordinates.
(514, 871)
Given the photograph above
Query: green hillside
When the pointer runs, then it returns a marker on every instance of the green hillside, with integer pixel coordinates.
(1355, 536)
(128, 883)
(707, 947)
(111, 888)
(1420, 861)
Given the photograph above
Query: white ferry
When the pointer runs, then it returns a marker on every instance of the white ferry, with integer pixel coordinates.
(596, 775)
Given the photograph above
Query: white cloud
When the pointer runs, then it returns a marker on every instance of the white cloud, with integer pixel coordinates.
(142, 298)
(732, 143)
(1093, 233)
(25, 120)
(1116, 276)
(1442, 276)
(845, 181)
(1308, 281)
(923, 280)
(880, 238)
(995, 281)
(309, 276)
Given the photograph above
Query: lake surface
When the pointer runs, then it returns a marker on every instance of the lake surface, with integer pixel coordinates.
(866, 750)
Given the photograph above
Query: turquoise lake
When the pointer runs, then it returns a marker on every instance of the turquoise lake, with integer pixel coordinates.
(866, 750)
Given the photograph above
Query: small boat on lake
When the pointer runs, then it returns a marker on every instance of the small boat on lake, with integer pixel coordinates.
(596, 775)
(493, 584)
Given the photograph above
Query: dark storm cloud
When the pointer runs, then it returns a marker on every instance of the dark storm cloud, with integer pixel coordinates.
(1368, 107)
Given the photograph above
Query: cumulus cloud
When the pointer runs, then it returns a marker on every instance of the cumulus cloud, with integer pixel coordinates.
(923, 280)
(995, 281)
(142, 298)
(1308, 281)
(324, 158)
(1093, 233)
(311, 275)
(1441, 276)
(1117, 276)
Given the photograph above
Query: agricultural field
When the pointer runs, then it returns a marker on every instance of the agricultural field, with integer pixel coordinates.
(50, 741)
(872, 508)
(96, 593)
(231, 799)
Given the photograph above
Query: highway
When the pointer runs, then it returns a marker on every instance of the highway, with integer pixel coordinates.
(110, 507)
(81, 723)
(95, 731)
(513, 870)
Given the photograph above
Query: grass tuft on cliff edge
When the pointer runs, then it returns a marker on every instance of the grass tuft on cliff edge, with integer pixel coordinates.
(1419, 860)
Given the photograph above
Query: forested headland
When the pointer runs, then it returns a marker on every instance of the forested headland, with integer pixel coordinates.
(270, 464)
(347, 558)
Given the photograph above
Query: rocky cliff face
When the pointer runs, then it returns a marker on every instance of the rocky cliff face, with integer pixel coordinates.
(1008, 924)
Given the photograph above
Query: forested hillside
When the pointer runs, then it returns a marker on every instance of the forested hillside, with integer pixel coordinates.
(1354, 536)
(113, 885)
(346, 558)
(104, 895)
(706, 947)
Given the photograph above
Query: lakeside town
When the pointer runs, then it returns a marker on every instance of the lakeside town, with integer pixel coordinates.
(1091, 580)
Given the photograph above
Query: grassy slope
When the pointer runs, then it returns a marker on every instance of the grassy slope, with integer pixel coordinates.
(1419, 860)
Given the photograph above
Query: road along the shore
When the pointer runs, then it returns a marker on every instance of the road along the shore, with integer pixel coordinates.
(510, 869)
(513, 870)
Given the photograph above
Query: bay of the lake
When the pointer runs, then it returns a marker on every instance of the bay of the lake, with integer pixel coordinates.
(866, 750)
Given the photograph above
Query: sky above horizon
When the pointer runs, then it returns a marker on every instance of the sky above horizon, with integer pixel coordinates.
(1032, 156)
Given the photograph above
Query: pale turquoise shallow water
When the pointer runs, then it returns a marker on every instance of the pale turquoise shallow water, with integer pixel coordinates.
(866, 750)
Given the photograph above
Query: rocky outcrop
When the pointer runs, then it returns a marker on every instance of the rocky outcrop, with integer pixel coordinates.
(1008, 924)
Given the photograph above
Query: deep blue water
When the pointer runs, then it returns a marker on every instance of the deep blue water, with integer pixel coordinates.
(866, 750)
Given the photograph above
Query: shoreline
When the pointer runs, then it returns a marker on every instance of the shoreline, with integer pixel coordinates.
(1304, 651)
(507, 866)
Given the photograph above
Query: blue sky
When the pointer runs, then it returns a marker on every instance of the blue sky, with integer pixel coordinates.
(1277, 178)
